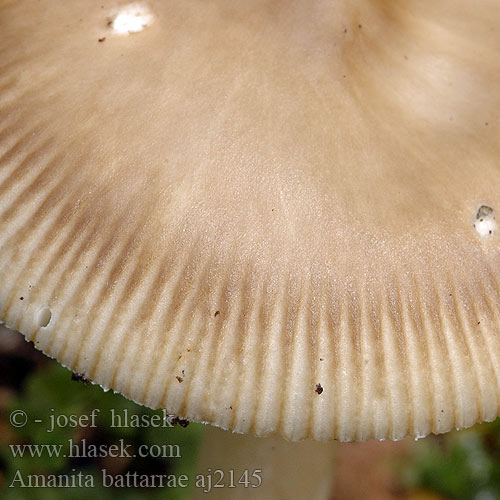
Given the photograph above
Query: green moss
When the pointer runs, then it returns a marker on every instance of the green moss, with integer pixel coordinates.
(51, 392)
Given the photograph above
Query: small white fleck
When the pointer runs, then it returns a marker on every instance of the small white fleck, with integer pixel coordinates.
(485, 223)
(43, 317)
(131, 18)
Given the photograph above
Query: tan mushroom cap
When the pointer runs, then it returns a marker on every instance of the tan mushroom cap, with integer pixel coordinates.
(260, 215)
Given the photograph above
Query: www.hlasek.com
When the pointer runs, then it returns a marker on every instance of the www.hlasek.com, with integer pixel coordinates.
(70, 449)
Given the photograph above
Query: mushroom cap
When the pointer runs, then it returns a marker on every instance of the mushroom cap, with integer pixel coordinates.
(274, 217)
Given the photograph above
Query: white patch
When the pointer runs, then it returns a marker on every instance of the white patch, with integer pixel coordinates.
(485, 223)
(131, 18)
(43, 317)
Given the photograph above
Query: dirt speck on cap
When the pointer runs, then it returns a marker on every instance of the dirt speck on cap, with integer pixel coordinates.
(180, 421)
(78, 377)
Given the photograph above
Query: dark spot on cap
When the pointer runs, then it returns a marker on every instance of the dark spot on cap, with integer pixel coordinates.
(180, 421)
(484, 211)
(101, 39)
(78, 377)
(179, 379)
(21, 298)
(216, 314)
(319, 389)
